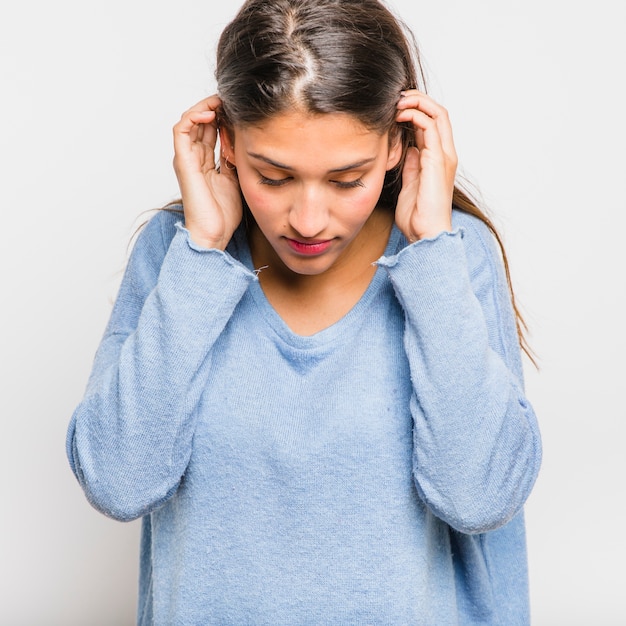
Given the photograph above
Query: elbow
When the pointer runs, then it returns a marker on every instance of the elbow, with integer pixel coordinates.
(122, 500)
(481, 485)
(113, 508)
(481, 501)
(476, 520)
(480, 515)
(119, 494)
(116, 508)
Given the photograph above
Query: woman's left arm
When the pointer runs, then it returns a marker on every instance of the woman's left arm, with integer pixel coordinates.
(477, 448)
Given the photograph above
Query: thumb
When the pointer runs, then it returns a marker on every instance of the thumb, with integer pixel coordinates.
(411, 169)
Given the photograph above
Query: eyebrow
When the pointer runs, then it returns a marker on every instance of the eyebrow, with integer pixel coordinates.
(282, 166)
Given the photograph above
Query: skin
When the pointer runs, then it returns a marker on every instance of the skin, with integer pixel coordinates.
(312, 183)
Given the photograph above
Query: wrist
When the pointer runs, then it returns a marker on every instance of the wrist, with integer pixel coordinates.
(201, 239)
(430, 231)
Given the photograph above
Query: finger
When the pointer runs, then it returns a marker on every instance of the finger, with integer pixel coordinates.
(427, 132)
(414, 99)
(212, 103)
(195, 127)
(202, 112)
(420, 101)
(406, 93)
(190, 121)
(419, 138)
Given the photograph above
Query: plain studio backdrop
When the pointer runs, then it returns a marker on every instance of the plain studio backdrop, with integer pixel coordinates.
(90, 91)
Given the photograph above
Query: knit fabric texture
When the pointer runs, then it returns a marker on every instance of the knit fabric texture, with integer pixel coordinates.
(372, 473)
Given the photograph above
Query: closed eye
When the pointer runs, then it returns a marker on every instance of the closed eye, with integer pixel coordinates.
(349, 184)
(273, 182)
(279, 182)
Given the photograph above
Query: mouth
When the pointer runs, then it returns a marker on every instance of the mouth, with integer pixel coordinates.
(309, 248)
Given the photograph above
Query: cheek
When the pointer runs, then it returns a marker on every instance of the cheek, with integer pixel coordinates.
(261, 201)
(360, 208)
(363, 203)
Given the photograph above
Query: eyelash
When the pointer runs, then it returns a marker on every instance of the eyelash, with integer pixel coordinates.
(350, 184)
(273, 182)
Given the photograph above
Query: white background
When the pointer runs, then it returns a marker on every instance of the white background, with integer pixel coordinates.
(90, 91)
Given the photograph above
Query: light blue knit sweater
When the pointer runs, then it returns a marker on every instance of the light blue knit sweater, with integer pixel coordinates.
(373, 473)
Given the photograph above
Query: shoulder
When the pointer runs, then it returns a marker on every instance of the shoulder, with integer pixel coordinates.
(154, 238)
(489, 283)
(484, 256)
(156, 235)
(480, 243)
(152, 242)
(160, 228)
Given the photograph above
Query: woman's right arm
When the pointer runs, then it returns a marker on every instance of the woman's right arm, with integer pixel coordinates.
(129, 440)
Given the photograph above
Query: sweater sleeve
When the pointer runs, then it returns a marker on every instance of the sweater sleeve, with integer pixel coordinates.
(129, 440)
(477, 447)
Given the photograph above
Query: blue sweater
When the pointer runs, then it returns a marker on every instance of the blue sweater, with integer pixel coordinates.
(373, 473)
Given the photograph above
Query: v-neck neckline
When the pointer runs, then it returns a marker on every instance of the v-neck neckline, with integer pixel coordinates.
(340, 328)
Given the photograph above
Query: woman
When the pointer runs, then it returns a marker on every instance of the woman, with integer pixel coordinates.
(310, 387)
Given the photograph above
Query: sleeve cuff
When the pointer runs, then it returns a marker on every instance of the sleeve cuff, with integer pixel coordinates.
(183, 233)
(428, 245)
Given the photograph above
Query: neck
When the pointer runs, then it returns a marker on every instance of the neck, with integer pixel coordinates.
(356, 259)
(310, 303)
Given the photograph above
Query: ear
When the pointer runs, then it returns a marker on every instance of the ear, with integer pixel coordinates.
(227, 144)
(395, 148)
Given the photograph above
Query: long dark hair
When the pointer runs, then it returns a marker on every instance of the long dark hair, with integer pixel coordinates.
(322, 56)
(328, 56)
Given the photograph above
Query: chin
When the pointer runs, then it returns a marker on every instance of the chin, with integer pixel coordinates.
(308, 267)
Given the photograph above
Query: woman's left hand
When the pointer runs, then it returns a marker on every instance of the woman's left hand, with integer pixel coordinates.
(424, 206)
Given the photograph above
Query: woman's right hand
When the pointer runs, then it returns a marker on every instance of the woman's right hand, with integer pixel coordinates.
(211, 198)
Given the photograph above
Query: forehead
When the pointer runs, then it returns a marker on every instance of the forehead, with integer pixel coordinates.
(293, 137)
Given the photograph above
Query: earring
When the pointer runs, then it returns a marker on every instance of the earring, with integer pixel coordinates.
(227, 163)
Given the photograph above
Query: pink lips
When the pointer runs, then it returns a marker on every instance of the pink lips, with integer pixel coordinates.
(309, 248)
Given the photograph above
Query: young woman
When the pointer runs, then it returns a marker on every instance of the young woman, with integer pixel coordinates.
(310, 388)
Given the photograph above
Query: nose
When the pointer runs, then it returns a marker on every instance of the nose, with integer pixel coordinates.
(309, 214)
